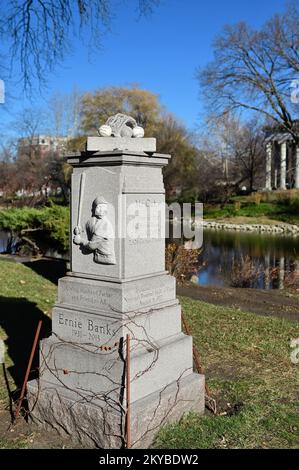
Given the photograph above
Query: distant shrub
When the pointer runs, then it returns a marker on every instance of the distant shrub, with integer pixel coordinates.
(291, 280)
(231, 211)
(16, 220)
(188, 195)
(51, 222)
(257, 197)
(181, 262)
(279, 196)
(294, 206)
(56, 221)
(245, 272)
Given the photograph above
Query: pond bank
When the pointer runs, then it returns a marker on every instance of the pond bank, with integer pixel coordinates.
(275, 228)
(274, 303)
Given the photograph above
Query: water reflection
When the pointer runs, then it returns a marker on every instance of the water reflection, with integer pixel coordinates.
(272, 257)
(7, 242)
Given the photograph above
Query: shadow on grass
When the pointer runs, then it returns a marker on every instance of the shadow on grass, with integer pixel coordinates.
(48, 268)
(19, 319)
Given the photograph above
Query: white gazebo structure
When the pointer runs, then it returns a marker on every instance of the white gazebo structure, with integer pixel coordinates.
(282, 161)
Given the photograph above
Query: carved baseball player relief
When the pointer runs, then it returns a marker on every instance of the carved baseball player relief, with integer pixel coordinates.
(98, 236)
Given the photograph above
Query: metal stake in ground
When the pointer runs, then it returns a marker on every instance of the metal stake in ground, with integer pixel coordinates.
(128, 393)
(28, 369)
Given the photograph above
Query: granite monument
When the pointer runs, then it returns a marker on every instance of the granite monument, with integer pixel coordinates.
(117, 285)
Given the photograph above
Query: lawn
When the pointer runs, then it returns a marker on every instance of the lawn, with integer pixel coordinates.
(264, 212)
(25, 298)
(247, 362)
(246, 357)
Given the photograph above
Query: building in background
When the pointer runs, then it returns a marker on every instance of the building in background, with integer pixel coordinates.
(282, 160)
(42, 143)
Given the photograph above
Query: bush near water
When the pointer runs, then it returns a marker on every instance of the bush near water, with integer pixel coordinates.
(52, 222)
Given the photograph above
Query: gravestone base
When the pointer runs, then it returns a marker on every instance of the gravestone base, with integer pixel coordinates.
(103, 426)
(81, 389)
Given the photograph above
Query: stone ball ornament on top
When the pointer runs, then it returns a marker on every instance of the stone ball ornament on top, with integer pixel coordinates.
(121, 133)
(105, 131)
(121, 125)
(138, 132)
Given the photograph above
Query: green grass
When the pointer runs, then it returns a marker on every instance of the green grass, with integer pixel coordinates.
(20, 284)
(247, 362)
(283, 211)
(19, 281)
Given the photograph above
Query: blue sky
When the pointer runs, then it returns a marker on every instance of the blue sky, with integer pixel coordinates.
(160, 52)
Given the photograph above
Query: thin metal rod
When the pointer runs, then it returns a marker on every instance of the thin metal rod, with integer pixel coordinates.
(128, 392)
(28, 369)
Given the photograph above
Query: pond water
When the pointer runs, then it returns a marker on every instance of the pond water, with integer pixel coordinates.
(7, 242)
(232, 258)
(252, 259)
(8, 245)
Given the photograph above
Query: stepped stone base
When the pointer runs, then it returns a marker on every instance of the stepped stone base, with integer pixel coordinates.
(82, 364)
(101, 374)
(102, 425)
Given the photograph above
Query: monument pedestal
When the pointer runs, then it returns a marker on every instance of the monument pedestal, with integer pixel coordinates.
(102, 426)
(117, 287)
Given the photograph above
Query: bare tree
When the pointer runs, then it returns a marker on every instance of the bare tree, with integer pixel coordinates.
(7, 169)
(30, 166)
(39, 33)
(231, 154)
(254, 70)
(173, 138)
(64, 114)
(249, 155)
(29, 123)
(209, 177)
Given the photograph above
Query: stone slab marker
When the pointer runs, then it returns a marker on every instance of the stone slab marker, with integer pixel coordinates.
(117, 285)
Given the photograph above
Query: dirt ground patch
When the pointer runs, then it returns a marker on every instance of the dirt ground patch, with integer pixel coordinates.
(28, 436)
(276, 303)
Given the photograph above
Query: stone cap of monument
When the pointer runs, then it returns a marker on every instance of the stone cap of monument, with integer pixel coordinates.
(121, 132)
(116, 157)
(109, 144)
